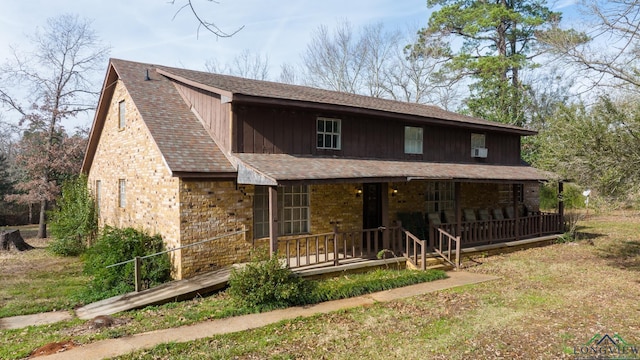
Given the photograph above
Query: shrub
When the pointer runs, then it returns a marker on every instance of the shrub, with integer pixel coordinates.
(73, 222)
(267, 284)
(117, 245)
(572, 195)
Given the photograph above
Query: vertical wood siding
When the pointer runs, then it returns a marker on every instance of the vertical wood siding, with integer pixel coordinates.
(275, 130)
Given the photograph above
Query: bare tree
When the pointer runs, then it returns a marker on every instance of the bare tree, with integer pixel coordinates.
(57, 75)
(202, 22)
(374, 61)
(609, 51)
(246, 65)
(288, 74)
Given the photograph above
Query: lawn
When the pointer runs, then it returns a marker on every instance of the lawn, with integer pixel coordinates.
(549, 303)
(35, 281)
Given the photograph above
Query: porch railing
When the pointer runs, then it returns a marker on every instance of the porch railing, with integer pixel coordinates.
(445, 247)
(415, 249)
(473, 233)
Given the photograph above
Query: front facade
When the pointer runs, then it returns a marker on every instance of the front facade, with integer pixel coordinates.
(232, 164)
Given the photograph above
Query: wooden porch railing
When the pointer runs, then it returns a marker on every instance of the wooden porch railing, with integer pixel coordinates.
(497, 231)
(445, 250)
(415, 250)
(308, 250)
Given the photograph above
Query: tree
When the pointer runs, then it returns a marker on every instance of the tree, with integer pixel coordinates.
(595, 146)
(57, 76)
(498, 41)
(610, 54)
(246, 64)
(202, 22)
(373, 61)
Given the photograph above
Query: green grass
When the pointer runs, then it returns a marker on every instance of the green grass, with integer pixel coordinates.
(549, 300)
(197, 310)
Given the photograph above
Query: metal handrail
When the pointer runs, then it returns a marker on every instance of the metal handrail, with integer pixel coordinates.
(136, 260)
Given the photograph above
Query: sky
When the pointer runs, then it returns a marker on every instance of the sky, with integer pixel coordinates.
(151, 31)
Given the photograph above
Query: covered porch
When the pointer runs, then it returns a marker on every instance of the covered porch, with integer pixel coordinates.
(412, 210)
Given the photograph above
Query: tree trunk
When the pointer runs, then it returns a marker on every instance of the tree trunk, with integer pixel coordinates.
(42, 228)
(14, 238)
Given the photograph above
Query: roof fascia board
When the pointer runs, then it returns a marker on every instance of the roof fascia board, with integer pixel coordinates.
(108, 88)
(226, 96)
(249, 99)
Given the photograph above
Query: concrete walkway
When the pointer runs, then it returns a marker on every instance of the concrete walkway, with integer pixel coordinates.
(115, 347)
(17, 322)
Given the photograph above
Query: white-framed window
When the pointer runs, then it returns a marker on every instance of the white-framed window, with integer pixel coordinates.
(412, 140)
(440, 196)
(477, 141)
(98, 196)
(122, 193)
(328, 133)
(293, 210)
(122, 115)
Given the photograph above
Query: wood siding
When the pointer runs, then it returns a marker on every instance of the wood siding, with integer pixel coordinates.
(215, 115)
(274, 130)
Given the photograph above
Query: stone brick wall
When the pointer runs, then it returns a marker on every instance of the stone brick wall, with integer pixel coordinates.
(131, 154)
(409, 198)
(335, 204)
(210, 209)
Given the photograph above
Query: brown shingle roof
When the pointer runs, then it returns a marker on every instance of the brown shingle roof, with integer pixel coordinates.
(179, 135)
(283, 168)
(272, 90)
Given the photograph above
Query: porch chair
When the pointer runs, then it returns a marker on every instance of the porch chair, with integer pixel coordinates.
(483, 215)
(469, 215)
(434, 218)
(509, 212)
(497, 214)
(450, 216)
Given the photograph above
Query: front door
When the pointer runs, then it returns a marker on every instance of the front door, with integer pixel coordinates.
(371, 206)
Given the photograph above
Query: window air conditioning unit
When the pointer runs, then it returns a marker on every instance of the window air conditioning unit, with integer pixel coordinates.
(479, 152)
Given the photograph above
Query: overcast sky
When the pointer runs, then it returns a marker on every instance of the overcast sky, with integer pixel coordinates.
(146, 31)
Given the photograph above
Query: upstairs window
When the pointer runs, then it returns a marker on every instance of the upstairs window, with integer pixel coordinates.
(328, 133)
(121, 115)
(477, 141)
(412, 140)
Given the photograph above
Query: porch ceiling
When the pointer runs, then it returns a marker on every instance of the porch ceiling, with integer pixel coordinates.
(282, 169)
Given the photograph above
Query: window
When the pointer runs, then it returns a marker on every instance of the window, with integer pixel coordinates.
(328, 133)
(122, 115)
(477, 141)
(122, 198)
(293, 211)
(412, 140)
(439, 196)
(98, 196)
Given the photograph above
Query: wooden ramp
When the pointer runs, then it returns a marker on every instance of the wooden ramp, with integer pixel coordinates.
(207, 283)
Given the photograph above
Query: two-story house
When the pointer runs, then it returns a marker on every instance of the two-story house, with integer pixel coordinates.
(233, 163)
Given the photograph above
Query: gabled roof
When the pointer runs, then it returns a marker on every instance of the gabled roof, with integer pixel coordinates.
(188, 149)
(180, 137)
(249, 90)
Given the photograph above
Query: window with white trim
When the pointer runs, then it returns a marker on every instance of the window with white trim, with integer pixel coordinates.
(440, 195)
(122, 194)
(412, 140)
(122, 118)
(477, 141)
(328, 133)
(293, 210)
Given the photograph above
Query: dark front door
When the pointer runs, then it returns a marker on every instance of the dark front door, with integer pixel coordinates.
(371, 206)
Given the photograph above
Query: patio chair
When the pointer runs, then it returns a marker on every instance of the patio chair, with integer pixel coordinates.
(509, 212)
(469, 215)
(483, 215)
(434, 218)
(450, 216)
(497, 214)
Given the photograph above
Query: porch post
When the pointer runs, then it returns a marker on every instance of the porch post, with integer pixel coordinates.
(561, 203)
(458, 205)
(273, 220)
(516, 213)
(384, 209)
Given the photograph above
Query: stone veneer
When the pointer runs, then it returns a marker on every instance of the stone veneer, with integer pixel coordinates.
(131, 154)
